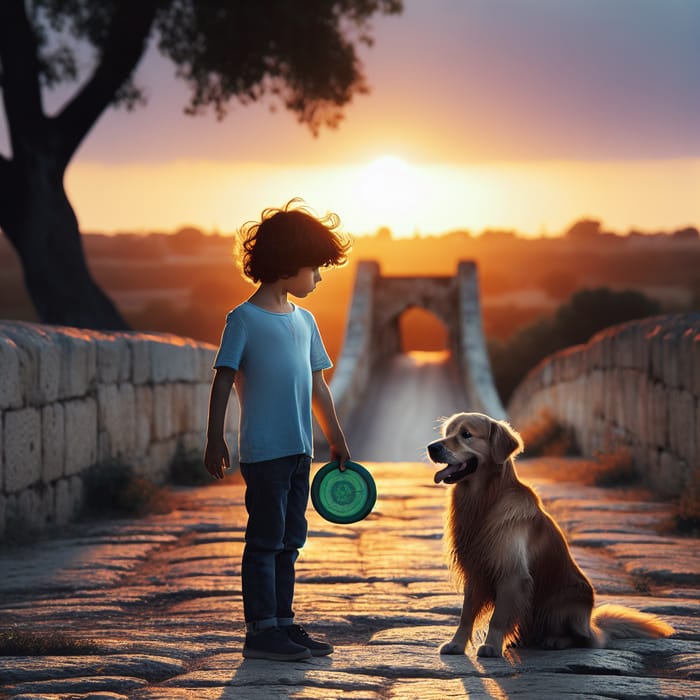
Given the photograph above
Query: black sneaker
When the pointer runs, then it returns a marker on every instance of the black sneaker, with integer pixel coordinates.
(274, 645)
(298, 635)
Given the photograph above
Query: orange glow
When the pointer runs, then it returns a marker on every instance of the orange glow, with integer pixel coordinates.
(388, 191)
(532, 198)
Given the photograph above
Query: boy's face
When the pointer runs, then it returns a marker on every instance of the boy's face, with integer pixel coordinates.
(304, 282)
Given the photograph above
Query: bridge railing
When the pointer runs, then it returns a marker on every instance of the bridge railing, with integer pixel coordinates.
(634, 386)
(71, 400)
(357, 357)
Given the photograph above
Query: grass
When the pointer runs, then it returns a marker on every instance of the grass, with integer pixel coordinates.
(545, 437)
(19, 642)
(686, 515)
(113, 488)
(187, 468)
(615, 469)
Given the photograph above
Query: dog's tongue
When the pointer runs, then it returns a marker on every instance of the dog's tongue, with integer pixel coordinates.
(448, 471)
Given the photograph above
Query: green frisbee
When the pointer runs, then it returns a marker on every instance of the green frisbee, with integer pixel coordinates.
(343, 497)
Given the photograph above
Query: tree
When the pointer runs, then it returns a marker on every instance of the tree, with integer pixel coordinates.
(574, 322)
(300, 54)
(583, 230)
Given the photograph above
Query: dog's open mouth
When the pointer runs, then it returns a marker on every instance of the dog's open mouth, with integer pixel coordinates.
(454, 472)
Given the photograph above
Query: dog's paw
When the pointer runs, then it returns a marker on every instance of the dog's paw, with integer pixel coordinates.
(451, 648)
(488, 651)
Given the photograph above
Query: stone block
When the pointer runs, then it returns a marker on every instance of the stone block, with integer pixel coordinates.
(607, 345)
(34, 508)
(140, 350)
(612, 400)
(143, 411)
(193, 402)
(116, 420)
(682, 422)
(193, 444)
(53, 442)
(594, 386)
(81, 434)
(628, 346)
(78, 355)
(654, 340)
(200, 406)
(39, 361)
(68, 499)
(22, 448)
(634, 386)
(670, 372)
(206, 354)
(547, 374)
(173, 359)
(159, 460)
(657, 414)
(163, 412)
(594, 355)
(113, 358)
(181, 401)
(77, 489)
(673, 473)
(10, 385)
(10, 512)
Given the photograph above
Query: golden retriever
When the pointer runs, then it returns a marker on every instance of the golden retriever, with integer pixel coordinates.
(511, 557)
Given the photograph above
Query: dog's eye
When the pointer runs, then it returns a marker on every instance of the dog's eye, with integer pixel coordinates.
(465, 435)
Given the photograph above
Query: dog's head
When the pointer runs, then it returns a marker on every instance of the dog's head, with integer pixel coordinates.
(471, 441)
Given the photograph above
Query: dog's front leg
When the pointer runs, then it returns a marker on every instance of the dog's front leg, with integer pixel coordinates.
(512, 596)
(466, 624)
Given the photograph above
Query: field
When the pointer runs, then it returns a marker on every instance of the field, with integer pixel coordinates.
(185, 282)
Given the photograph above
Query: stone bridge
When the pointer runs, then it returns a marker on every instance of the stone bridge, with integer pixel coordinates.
(389, 402)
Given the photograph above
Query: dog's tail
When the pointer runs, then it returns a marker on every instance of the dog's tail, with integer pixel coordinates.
(619, 622)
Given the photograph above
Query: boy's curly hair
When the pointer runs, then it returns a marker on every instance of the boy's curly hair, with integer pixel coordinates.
(287, 239)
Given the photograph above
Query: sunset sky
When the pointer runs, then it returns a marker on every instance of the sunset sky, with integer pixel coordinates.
(525, 114)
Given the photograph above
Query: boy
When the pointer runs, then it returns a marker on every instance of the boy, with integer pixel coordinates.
(273, 351)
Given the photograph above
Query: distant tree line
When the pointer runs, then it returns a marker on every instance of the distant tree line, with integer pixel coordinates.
(575, 322)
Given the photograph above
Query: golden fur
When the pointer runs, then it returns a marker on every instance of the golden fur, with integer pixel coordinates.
(510, 556)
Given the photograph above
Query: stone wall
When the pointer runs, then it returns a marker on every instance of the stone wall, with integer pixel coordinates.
(72, 399)
(637, 386)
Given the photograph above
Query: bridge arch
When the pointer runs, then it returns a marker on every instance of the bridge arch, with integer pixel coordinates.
(421, 330)
(373, 335)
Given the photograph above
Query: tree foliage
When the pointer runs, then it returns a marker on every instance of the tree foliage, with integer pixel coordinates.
(302, 55)
(587, 312)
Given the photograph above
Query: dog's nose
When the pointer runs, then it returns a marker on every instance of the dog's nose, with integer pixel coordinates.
(434, 450)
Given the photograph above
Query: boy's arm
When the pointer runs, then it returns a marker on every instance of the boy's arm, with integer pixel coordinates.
(216, 454)
(324, 410)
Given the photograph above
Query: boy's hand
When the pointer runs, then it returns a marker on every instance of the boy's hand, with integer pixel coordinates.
(341, 454)
(216, 457)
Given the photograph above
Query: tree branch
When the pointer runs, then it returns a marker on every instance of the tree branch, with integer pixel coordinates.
(20, 76)
(121, 53)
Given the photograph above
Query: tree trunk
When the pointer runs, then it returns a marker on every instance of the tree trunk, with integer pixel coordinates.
(41, 225)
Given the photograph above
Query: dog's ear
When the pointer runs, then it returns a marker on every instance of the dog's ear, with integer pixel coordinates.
(505, 442)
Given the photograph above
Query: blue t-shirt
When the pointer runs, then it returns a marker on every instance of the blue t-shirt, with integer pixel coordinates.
(274, 355)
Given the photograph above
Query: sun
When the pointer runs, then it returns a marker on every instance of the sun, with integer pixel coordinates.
(388, 193)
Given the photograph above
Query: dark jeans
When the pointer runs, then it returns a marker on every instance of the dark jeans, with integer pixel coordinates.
(277, 493)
